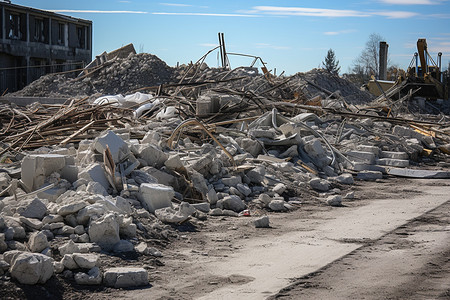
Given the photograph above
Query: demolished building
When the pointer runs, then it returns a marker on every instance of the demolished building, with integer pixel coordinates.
(139, 148)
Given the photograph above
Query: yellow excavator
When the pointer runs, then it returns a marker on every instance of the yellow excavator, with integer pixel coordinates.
(426, 79)
(427, 76)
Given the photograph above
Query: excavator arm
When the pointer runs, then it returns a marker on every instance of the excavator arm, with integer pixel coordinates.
(422, 51)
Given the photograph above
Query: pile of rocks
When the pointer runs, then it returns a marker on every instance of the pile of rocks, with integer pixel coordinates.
(119, 75)
(109, 194)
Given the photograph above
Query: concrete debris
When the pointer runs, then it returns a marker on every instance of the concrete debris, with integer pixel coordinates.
(125, 277)
(31, 268)
(262, 222)
(37, 242)
(105, 231)
(124, 172)
(92, 277)
(334, 200)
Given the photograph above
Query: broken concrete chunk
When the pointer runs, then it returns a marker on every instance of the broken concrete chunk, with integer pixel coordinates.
(86, 260)
(174, 163)
(37, 241)
(95, 187)
(262, 222)
(58, 267)
(345, 178)
(125, 277)
(233, 203)
(314, 148)
(118, 148)
(71, 208)
(279, 188)
(154, 196)
(123, 246)
(86, 213)
(203, 207)
(264, 199)
(93, 277)
(320, 184)
(36, 167)
(256, 175)
(69, 248)
(212, 197)
(3, 245)
(96, 173)
(277, 205)
(35, 209)
(373, 149)
(31, 223)
(199, 182)
(361, 156)
(232, 181)
(393, 155)
(334, 200)
(105, 231)
(401, 163)
(369, 175)
(152, 155)
(170, 215)
(68, 262)
(32, 268)
(251, 146)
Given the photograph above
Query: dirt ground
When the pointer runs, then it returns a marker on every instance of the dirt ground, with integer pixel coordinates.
(391, 241)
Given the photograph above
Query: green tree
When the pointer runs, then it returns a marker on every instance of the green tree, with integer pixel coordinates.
(331, 64)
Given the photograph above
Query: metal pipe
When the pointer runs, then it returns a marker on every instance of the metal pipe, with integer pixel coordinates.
(439, 60)
(221, 52)
(416, 55)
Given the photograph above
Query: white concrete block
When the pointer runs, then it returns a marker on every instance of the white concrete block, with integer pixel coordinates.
(86, 260)
(32, 268)
(373, 149)
(96, 173)
(401, 163)
(36, 167)
(37, 241)
(361, 156)
(117, 146)
(394, 155)
(154, 196)
(105, 231)
(125, 277)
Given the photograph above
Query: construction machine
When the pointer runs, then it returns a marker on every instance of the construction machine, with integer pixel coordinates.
(427, 76)
(426, 79)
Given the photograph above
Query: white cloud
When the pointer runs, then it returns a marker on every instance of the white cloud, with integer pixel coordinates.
(440, 16)
(175, 4)
(339, 32)
(396, 14)
(98, 11)
(411, 2)
(124, 1)
(204, 14)
(323, 12)
(312, 12)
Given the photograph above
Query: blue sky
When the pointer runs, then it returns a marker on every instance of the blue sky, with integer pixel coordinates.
(291, 36)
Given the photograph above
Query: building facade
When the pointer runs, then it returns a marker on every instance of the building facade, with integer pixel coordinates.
(35, 42)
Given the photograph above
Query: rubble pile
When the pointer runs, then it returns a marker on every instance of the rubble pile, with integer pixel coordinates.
(119, 75)
(113, 175)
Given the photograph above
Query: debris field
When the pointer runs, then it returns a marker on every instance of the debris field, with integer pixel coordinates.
(140, 148)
